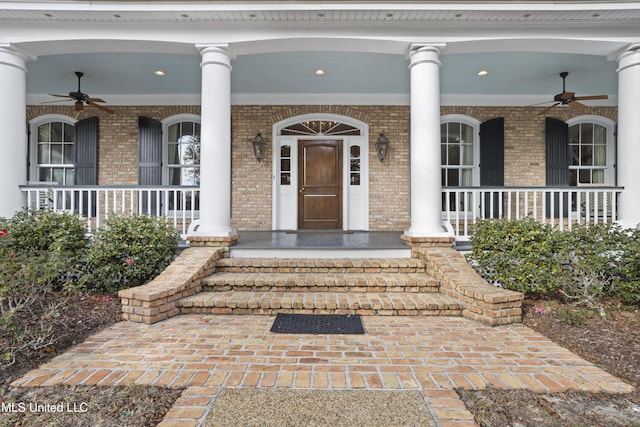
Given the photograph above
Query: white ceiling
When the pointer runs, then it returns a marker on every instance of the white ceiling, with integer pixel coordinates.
(361, 45)
(530, 75)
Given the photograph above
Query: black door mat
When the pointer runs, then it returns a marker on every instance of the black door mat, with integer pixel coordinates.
(318, 324)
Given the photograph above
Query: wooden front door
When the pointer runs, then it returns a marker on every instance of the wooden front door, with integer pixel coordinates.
(320, 184)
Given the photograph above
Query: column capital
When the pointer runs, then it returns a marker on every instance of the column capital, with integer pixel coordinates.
(629, 58)
(215, 54)
(11, 55)
(425, 53)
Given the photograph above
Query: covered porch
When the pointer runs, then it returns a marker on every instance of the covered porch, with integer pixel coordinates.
(463, 145)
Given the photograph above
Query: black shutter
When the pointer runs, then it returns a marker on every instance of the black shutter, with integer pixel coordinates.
(492, 162)
(149, 159)
(86, 161)
(29, 153)
(557, 162)
(86, 152)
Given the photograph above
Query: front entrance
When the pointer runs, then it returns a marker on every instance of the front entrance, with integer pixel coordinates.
(320, 184)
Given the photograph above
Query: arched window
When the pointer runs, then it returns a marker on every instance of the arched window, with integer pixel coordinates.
(592, 151)
(181, 159)
(459, 151)
(183, 152)
(52, 150)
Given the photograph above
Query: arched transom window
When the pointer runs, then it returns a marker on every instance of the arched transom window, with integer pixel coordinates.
(320, 127)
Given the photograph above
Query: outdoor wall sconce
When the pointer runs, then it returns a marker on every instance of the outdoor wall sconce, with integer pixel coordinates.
(382, 145)
(258, 146)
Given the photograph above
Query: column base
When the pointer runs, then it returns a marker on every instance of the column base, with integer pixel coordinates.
(445, 241)
(219, 241)
(196, 236)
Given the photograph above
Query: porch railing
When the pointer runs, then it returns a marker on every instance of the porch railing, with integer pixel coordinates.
(462, 207)
(179, 205)
(562, 207)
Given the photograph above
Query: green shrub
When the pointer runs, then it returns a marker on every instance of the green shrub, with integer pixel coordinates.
(30, 233)
(583, 265)
(516, 254)
(627, 283)
(129, 251)
(40, 255)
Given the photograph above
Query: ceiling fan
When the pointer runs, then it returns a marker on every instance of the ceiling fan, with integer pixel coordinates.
(569, 98)
(81, 98)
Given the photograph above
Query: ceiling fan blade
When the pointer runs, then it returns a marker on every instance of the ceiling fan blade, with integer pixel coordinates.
(543, 112)
(100, 107)
(577, 105)
(60, 96)
(586, 98)
(567, 95)
(94, 100)
(539, 103)
(57, 100)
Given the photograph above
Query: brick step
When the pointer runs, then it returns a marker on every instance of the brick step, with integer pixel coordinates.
(321, 265)
(371, 303)
(321, 282)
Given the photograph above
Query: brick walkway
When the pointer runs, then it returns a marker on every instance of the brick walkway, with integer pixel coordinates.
(204, 354)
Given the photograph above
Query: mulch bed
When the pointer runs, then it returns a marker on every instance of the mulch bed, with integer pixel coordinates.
(133, 406)
(612, 343)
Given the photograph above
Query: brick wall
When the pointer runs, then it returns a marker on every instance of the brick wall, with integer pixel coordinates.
(389, 181)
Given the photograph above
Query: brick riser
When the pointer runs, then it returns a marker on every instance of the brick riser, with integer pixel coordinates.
(269, 303)
(321, 286)
(321, 282)
(320, 265)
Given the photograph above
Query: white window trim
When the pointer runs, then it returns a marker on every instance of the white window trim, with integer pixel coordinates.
(33, 139)
(610, 126)
(165, 139)
(475, 124)
(165, 152)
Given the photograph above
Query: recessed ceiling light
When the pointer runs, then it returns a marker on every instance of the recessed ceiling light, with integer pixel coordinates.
(483, 72)
(159, 73)
(319, 72)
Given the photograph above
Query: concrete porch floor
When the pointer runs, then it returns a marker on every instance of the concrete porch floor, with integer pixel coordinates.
(207, 354)
(283, 244)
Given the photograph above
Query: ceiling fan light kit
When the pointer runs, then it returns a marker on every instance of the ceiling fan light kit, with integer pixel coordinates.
(81, 98)
(569, 98)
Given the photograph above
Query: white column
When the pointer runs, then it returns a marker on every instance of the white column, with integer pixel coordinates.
(13, 132)
(426, 175)
(215, 140)
(629, 137)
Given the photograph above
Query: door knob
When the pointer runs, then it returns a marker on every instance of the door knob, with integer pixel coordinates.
(302, 190)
